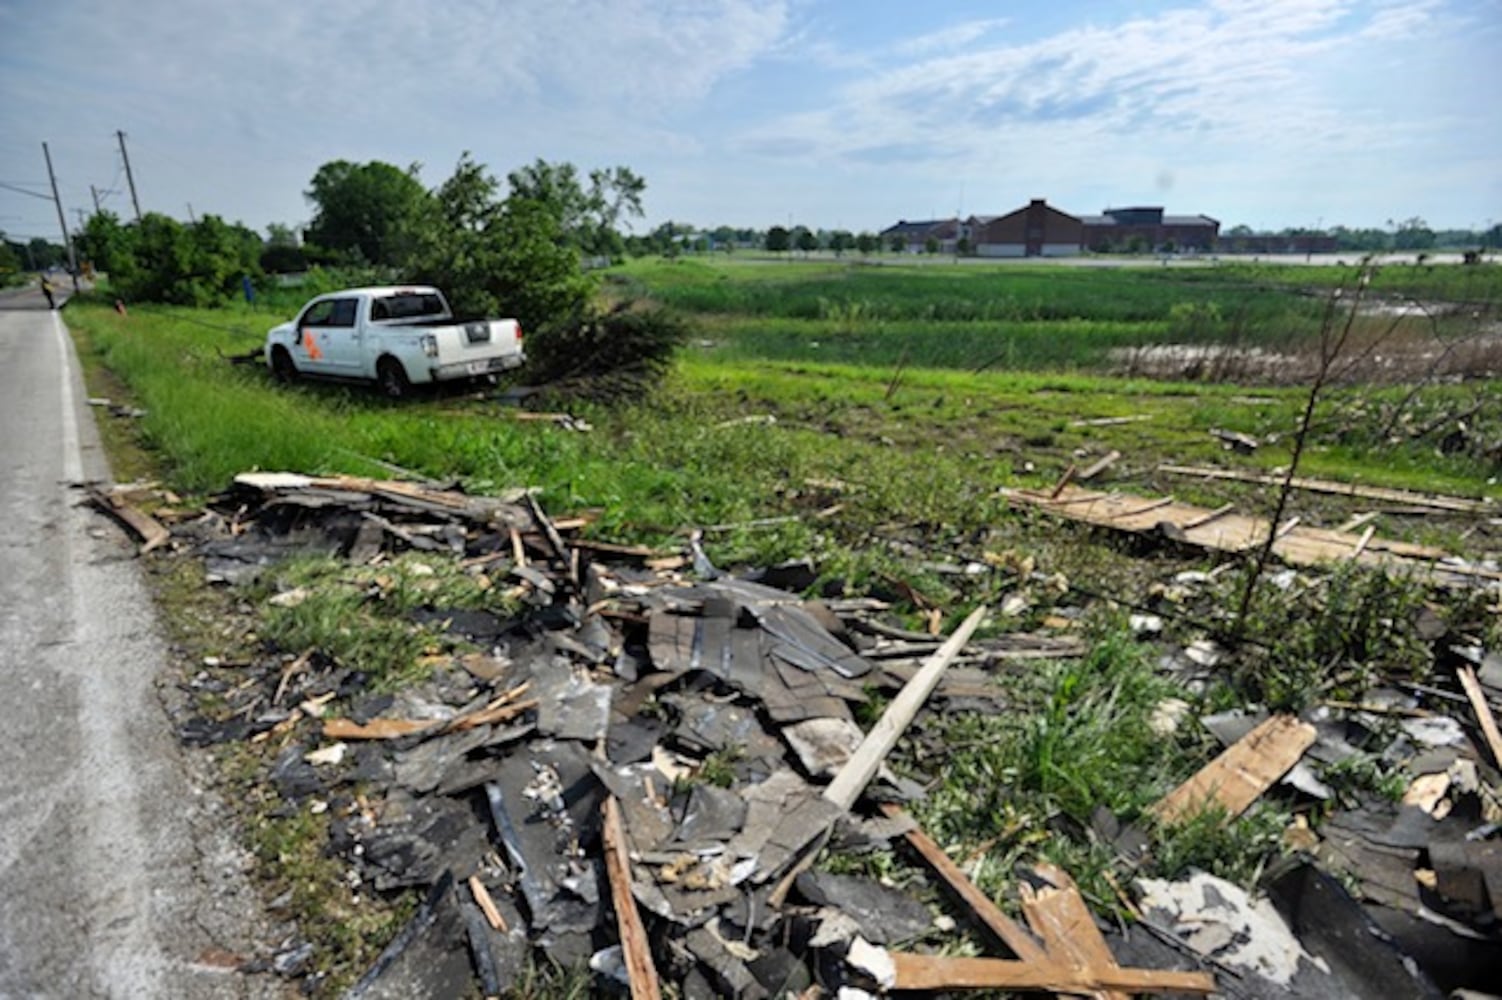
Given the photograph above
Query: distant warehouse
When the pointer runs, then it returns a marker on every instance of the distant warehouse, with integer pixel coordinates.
(1040, 230)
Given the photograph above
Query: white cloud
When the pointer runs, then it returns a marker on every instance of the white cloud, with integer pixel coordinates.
(1236, 70)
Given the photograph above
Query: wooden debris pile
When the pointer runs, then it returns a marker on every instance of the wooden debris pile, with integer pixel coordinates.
(1224, 529)
(637, 770)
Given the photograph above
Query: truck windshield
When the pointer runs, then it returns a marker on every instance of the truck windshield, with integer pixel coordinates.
(408, 305)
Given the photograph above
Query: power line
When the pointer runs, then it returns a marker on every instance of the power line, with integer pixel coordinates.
(21, 190)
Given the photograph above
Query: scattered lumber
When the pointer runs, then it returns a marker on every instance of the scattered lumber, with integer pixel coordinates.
(1238, 442)
(930, 972)
(857, 773)
(1110, 421)
(1460, 505)
(1226, 531)
(1100, 465)
(634, 944)
(1239, 776)
(149, 530)
(1484, 716)
(1060, 917)
(986, 913)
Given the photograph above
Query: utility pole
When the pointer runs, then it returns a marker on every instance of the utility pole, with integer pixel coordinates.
(95, 192)
(128, 177)
(80, 213)
(191, 217)
(62, 220)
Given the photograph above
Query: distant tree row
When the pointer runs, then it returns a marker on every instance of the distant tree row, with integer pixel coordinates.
(35, 254)
(1409, 234)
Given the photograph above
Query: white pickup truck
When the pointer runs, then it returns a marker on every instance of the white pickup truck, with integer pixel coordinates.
(396, 337)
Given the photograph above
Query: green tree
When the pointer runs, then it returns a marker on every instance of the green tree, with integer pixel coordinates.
(589, 218)
(867, 243)
(366, 212)
(497, 257)
(779, 240)
(110, 246)
(1413, 234)
(931, 245)
(898, 244)
(840, 240)
(10, 261)
(805, 240)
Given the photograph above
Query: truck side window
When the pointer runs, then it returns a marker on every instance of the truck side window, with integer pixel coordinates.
(317, 315)
(343, 313)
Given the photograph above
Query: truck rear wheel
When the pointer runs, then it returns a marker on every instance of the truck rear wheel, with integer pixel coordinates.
(283, 368)
(392, 378)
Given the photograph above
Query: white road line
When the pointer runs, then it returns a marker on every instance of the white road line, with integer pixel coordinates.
(72, 456)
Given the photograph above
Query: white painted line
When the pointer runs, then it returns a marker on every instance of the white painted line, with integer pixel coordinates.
(72, 456)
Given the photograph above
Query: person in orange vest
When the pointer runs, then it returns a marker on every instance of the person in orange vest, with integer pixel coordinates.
(47, 291)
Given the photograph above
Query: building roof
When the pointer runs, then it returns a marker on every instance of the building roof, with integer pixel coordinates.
(1168, 220)
(905, 228)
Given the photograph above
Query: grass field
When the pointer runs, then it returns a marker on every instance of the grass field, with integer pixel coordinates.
(980, 315)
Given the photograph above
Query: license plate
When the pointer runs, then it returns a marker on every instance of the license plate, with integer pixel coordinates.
(479, 367)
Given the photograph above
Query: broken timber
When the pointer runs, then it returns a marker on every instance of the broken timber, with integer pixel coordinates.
(152, 533)
(1459, 505)
(1007, 930)
(637, 950)
(1239, 776)
(929, 972)
(1300, 545)
(1483, 711)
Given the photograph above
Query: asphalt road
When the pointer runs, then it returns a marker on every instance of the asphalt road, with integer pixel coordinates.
(119, 875)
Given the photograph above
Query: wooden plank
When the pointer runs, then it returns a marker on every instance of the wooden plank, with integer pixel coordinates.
(1239, 776)
(1008, 931)
(1097, 467)
(1064, 481)
(858, 771)
(1360, 520)
(375, 729)
(1483, 711)
(1110, 421)
(1145, 508)
(1204, 519)
(149, 530)
(487, 905)
(1061, 918)
(1301, 546)
(640, 969)
(932, 972)
(1366, 538)
(1463, 505)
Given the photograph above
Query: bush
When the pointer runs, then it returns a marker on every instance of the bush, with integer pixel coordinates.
(605, 355)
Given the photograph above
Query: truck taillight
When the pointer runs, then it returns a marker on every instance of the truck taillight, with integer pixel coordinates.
(518, 333)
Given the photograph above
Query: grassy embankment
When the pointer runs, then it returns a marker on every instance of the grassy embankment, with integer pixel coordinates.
(917, 458)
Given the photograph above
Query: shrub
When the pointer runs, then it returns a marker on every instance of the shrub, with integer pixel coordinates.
(604, 355)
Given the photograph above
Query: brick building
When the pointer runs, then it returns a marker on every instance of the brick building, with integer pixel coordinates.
(1147, 228)
(914, 236)
(1038, 229)
(1035, 230)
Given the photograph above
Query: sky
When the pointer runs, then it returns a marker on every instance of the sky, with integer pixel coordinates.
(838, 114)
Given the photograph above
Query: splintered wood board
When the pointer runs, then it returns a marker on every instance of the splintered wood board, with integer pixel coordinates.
(1234, 532)
(1240, 775)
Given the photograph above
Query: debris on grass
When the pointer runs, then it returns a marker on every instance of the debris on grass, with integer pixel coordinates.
(605, 761)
